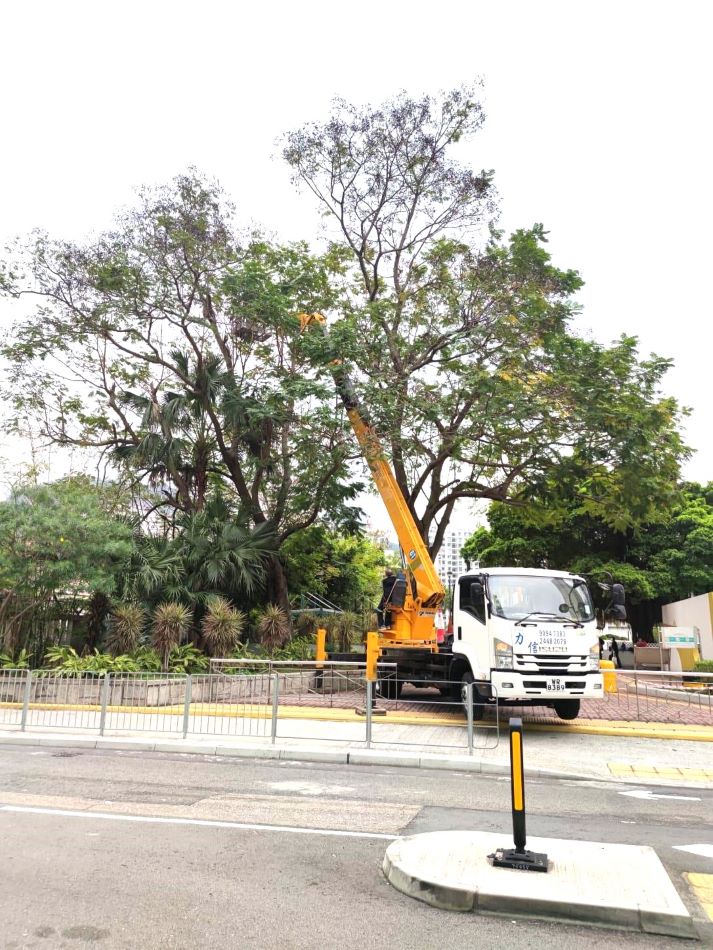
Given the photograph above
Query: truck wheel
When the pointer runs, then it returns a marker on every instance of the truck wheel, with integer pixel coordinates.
(390, 688)
(478, 707)
(567, 708)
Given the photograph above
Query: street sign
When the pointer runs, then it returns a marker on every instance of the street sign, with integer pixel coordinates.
(678, 637)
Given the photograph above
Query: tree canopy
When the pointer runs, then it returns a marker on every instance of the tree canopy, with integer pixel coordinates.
(461, 338)
(172, 346)
(58, 544)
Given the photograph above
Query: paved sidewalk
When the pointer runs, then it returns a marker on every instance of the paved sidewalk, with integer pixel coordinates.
(564, 754)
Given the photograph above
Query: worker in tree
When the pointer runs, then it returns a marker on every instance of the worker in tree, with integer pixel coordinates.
(387, 586)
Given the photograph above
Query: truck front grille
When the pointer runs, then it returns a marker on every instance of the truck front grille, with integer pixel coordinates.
(553, 664)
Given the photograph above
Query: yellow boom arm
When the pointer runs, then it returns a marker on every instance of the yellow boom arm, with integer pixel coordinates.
(412, 621)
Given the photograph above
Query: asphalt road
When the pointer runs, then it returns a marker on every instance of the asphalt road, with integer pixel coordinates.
(233, 854)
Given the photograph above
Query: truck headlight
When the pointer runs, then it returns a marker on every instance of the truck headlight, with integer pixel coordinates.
(593, 661)
(503, 655)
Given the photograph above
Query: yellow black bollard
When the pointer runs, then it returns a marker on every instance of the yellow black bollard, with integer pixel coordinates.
(518, 858)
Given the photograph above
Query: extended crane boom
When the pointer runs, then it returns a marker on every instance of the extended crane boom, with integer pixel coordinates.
(419, 593)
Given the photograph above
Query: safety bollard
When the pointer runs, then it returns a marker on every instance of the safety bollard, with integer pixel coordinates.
(608, 675)
(518, 858)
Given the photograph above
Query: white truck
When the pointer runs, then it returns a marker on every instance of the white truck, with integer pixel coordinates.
(521, 635)
(527, 636)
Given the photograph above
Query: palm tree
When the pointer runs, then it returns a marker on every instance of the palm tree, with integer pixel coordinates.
(170, 625)
(222, 554)
(222, 625)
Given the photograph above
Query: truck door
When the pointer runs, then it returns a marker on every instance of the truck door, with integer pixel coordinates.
(469, 632)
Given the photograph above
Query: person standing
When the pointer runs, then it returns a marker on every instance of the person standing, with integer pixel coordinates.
(387, 586)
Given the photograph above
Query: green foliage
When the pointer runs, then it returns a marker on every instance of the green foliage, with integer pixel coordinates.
(703, 666)
(19, 662)
(181, 659)
(345, 631)
(221, 626)
(187, 659)
(57, 543)
(213, 395)
(306, 625)
(461, 338)
(299, 648)
(346, 570)
(665, 559)
(98, 611)
(147, 659)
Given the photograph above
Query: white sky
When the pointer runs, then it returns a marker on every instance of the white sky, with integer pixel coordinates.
(598, 126)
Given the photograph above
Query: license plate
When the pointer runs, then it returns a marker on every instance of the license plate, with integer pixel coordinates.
(555, 685)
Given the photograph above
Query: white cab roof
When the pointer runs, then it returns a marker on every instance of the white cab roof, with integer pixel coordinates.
(514, 571)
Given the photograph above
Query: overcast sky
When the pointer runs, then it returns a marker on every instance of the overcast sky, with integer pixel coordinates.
(598, 117)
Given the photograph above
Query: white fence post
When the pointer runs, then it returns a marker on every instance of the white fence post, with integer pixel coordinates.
(275, 704)
(26, 700)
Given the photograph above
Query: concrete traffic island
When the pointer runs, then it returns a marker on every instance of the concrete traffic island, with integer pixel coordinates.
(608, 885)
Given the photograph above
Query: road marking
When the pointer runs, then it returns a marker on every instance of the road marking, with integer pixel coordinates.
(633, 770)
(309, 788)
(704, 850)
(644, 793)
(702, 887)
(202, 822)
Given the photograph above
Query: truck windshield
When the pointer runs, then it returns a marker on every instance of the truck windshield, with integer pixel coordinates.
(514, 597)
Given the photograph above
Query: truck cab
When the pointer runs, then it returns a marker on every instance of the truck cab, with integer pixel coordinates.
(527, 636)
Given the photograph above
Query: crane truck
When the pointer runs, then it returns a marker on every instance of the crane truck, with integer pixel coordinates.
(520, 636)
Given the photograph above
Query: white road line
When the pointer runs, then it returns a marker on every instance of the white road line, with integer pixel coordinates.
(204, 822)
(648, 795)
(704, 850)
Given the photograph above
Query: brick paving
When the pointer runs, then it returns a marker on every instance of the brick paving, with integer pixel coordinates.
(695, 710)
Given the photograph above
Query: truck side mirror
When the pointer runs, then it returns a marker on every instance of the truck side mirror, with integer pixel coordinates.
(476, 592)
(618, 595)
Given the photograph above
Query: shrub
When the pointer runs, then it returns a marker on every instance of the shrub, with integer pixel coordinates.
(20, 662)
(273, 628)
(344, 631)
(147, 659)
(306, 624)
(127, 624)
(301, 648)
(170, 625)
(703, 666)
(187, 659)
(221, 626)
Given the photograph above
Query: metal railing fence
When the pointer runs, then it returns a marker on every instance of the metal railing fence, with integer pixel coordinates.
(278, 699)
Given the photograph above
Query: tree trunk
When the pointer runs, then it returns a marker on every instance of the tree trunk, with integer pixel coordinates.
(277, 585)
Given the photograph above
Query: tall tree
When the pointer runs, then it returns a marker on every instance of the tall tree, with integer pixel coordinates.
(58, 544)
(460, 337)
(173, 346)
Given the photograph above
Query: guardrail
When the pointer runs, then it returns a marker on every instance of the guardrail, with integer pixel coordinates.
(271, 699)
(270, 702)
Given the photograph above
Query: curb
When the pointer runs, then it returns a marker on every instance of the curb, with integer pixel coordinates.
(350, 756)
(444, 885)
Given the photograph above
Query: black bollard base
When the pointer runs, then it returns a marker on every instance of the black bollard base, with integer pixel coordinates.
(519, 860)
